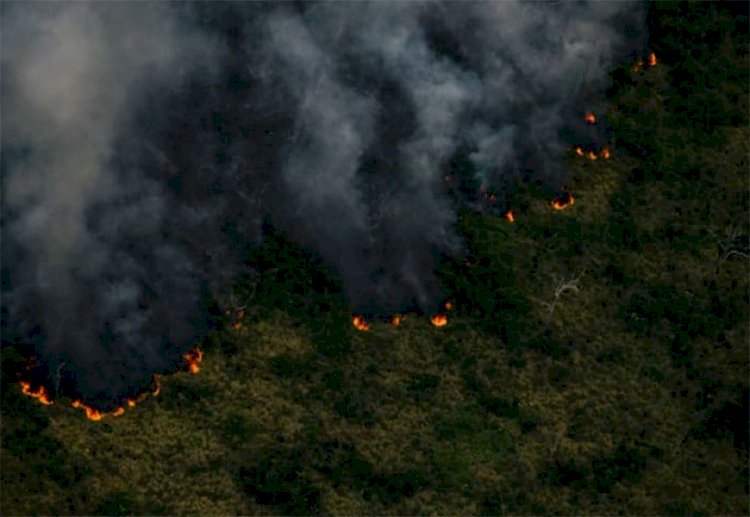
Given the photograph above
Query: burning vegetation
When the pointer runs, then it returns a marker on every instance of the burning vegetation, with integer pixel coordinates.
(640, 64)
(563, 201)
(40, 393)
(439, 320)
(360, 324)
(193, 359)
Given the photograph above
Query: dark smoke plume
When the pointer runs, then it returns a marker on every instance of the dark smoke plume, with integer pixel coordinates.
(141, 142)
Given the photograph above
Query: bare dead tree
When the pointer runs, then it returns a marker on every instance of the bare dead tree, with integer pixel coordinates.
(58, 377)
(562, 286)
(731, 243)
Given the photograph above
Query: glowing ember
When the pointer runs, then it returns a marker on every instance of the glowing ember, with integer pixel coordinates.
(579, 150)
(396, 320)
(360, 324)
(131, 403)
(638, 66)
(509, 216)
(590, 118)
(564, 201)
(119, 411)
(40, 394)
(439, 320)
(605, 153)
(448, 305)
(194, 358)
(652, 59)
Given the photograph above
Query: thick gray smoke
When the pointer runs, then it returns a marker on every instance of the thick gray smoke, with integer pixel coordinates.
(142, 142)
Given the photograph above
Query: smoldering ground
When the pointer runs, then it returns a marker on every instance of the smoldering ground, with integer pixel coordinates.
(144, 144)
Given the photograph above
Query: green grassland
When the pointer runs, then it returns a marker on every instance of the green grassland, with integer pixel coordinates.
(625, 393)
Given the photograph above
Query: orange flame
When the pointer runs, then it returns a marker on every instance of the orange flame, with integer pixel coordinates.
(590, 118)
(509, 216)
(194, 358)
(157, 383)
(396, 320)
(579, 150)
(448, 305)
(605, 153)
(591, 155)
(439, 320)
(360, 324)
(91, 412)
(40, 394)
(564, 201)
(652, 59)
(131, 403)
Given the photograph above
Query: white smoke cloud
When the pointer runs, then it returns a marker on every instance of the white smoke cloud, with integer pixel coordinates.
(139, 139)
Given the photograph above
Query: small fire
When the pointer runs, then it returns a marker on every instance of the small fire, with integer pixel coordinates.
(439, 320)
(131, 402)
(448, 305)
(591, 155)
(590, 118)
(194, 358)
(91, 412)
(605, 153)
(157, 385)
(509, 216)
(40, 394)
(360, 324)
(650, 61)
(396, 320)
(564, 201)
(579, 150)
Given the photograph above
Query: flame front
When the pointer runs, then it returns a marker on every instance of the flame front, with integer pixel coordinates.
(579, 150)
(590, 118)
(439, 320)
(360, 324)
(652, 59)
(510, 217)
(564, 201)
(40, 394)
(396, 320)
(605, 153)
(194, 358)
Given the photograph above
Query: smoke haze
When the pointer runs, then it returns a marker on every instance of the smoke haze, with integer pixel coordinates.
(140, 141)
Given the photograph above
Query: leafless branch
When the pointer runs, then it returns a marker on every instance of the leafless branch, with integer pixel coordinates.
(561, 287)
